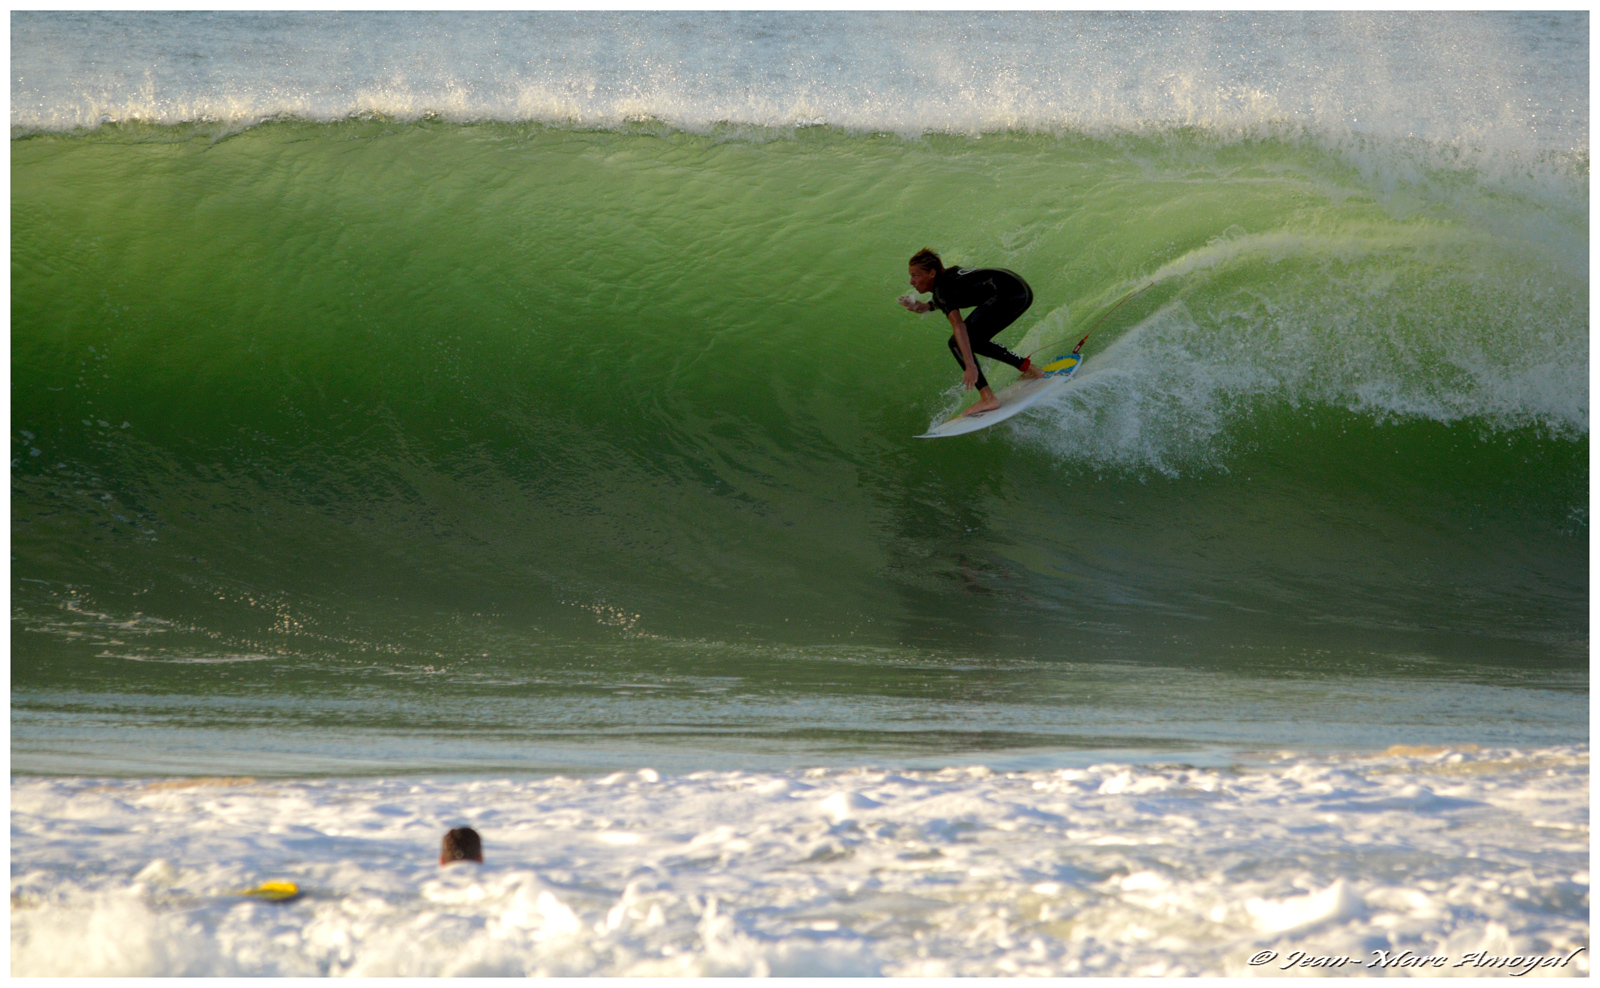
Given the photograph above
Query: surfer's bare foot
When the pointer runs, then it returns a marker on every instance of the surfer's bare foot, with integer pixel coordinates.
(1030, 370)
(988, 404)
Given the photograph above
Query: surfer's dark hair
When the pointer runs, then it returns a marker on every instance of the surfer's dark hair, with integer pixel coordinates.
(927, 260)
(461, 844)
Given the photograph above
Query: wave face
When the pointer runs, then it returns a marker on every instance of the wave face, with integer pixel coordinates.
(508, 388)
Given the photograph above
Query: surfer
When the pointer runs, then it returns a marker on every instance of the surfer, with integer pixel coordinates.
(996, 296)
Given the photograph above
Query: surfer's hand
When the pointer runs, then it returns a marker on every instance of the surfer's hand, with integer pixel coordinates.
(911, 303)
(970, 378)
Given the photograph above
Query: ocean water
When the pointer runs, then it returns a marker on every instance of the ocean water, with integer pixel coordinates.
(423, 419)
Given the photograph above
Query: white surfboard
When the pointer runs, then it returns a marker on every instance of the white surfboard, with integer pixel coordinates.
(1017, 398)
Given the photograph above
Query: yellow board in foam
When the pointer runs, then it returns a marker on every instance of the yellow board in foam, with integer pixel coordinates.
(274, 891)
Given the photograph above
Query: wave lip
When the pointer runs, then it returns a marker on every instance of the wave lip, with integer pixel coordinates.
(1340, 75)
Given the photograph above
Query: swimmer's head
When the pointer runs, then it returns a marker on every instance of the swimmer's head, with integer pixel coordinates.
(461, 844)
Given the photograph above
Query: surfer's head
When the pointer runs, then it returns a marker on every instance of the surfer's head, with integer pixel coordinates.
(925, 267)
(461, 844)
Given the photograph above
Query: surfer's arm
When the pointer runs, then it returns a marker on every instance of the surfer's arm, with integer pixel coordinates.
(958, 328)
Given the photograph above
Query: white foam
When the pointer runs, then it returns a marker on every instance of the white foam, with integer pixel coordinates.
(1113, 869)
(1469, 81)
(1336, 902)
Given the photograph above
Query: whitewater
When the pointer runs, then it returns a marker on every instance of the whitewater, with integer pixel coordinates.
(1110, 870)
(425, 420)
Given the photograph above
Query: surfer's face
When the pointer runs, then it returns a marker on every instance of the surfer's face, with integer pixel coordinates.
(921, 279)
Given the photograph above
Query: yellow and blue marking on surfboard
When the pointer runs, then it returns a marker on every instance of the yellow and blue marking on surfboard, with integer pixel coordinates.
(1062, 366)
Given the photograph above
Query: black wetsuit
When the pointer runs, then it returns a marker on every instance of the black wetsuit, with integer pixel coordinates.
(1000, 296)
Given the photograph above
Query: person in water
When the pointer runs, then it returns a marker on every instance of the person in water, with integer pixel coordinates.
(461, 844)
(996, 296)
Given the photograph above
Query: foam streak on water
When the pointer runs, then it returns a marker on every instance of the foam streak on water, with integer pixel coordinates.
(1114, 869)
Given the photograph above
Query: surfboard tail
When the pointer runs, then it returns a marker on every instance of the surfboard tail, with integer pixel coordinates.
(1019, 397)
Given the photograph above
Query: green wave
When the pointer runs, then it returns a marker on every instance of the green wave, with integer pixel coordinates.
(376, 388)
